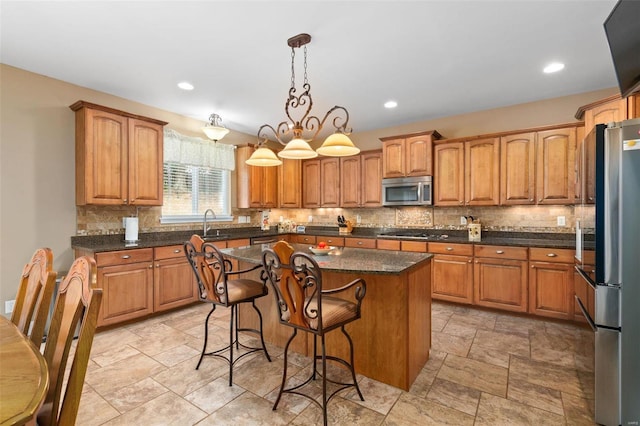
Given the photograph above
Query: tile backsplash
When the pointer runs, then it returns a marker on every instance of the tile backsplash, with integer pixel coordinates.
(103, 220)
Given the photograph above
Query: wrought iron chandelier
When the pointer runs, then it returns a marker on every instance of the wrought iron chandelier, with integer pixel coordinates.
(290, 132)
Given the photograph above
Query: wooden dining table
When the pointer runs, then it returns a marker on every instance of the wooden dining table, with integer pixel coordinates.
(24, 376)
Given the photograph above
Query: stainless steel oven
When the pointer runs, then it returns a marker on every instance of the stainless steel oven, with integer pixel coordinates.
(409, 191)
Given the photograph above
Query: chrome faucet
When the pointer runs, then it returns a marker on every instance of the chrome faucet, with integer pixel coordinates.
(204, 221)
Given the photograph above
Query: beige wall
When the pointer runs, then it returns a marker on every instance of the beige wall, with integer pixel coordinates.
(37, 159)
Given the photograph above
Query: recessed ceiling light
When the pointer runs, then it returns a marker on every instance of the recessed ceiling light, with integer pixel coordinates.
(553, 67)
(185, 85)
(390, 104)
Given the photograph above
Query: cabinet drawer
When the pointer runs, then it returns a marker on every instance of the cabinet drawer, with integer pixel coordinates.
(305, 239)
(331, 241)
(388, 245)
(236, 243)
(169, 252)
(360, 242)
(124, 257)
(446, 248)
(501, 252)
(551, 255)
(418, 246)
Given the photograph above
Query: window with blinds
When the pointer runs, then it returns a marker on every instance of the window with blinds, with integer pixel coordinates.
(197, 177)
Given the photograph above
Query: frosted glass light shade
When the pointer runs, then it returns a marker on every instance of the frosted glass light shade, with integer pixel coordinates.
(297, 149)
(338, 145)
(215, 133)
(263, 157)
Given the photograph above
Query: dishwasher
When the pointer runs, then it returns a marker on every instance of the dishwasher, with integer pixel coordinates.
(267, 239)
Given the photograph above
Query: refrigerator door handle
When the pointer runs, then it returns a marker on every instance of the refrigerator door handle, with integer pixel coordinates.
(586, 314)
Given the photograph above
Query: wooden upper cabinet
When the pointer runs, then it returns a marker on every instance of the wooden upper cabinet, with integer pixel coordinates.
(350, 181)
(118, 157)
(482, 172)
(263, 186)
(555, 166)
(290, 184)
(448, 180)
(408, 155)
(311, 183)
(361, 180)
(517, 169)
(330, 182)
(371, 180)
(614, 110)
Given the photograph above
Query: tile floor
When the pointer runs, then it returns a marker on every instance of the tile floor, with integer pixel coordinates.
(486, 368)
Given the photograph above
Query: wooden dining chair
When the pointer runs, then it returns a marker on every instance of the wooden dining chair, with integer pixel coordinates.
(33, 300)
(215, 285)
(77, 305)
(304, 304)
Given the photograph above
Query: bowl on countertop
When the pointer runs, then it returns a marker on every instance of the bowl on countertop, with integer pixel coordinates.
(321, 251)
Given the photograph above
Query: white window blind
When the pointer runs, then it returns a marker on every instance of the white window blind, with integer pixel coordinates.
(197, 177)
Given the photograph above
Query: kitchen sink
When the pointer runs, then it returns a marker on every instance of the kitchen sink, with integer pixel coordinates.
(216, 237)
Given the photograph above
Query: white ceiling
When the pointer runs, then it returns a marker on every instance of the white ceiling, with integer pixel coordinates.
(435, 58)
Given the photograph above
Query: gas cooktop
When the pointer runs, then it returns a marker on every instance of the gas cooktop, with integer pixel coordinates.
(416, 235)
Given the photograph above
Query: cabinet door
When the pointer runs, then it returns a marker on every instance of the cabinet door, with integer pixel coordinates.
(127, 292)
(371, 182)
(449, 174)
(551, 290)
(145, 163)
(393, 157)
(418, 156)
(101, 158)
(633, 103)
(482, 172)
(330, 182)
(311, 183)
(256, 184)
(270, 187)
(350, 182)
(500, 284)
(555, 166)
(173, 284)
(615, 110)
(290, 183)
(452, 278)
(517, 169)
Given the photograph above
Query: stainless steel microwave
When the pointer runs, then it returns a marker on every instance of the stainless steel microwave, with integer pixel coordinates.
(409, 191)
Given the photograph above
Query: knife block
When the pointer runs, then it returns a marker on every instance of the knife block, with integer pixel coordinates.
(343, 230)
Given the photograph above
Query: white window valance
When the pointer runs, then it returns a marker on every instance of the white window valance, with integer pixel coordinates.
(184, 149)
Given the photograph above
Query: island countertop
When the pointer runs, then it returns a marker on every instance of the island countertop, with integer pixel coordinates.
(342, 259)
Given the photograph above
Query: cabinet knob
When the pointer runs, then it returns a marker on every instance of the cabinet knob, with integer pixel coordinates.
(469, 261)
(531, 199)
(476, 261)
(124, 201)
(150, 266)
(500, 251)
(126, 256)
(177, 250)
(540, 200)
(157, 265)
(449, 248)
(551, 255)
(461, 202)
(533, 266)
(590, 198)
(359, 243)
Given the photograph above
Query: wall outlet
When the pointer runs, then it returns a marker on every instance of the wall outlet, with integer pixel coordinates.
(8, 306)
(562, 221)
(310, 218)
(463, 220)
(358, 219)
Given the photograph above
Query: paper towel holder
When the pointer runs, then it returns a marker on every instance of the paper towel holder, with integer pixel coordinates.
(131, 231)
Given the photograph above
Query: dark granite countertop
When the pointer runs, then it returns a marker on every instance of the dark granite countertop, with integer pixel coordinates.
(100, 243)
(347, 260)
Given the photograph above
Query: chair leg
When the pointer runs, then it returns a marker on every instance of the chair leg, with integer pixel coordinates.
(264, 347)
(206, 335)
(315, 356)
(353, 372)
(235, 312)
(324, 379)
(231, 331)
(284, 371)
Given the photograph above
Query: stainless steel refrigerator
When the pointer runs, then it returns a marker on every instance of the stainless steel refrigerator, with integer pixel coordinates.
(610, 160)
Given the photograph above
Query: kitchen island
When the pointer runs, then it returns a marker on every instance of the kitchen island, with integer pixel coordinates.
(392, 338)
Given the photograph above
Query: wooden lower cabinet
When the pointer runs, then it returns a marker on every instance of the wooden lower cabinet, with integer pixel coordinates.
(452, 278)
(551, 290)
(127, 292)
(368, 243)
(500, 284)
(173, 279)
